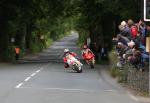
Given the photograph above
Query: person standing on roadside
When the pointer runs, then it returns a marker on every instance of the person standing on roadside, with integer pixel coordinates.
(17, 52)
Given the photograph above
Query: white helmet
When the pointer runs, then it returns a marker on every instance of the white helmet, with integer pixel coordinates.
(131, 43)
(123, 23)
(66, 50)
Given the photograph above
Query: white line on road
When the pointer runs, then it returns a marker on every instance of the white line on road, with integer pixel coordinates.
(27, 79)
(62, 89)
(73, 89)
(133, 97)
(19, 85)
(38, 71)
(33, 74)
(110, 90)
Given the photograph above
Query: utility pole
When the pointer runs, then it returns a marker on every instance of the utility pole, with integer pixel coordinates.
(146, 10)
(147, 19)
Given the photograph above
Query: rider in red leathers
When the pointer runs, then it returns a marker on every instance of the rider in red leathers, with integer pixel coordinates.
(86, 52)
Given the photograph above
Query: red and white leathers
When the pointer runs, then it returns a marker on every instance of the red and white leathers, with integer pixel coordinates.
(68, 53)
(65, 58)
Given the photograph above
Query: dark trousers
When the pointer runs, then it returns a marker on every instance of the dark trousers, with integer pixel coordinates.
(17, 56)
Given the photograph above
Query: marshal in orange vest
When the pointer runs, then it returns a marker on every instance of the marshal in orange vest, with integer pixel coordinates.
(17, 50)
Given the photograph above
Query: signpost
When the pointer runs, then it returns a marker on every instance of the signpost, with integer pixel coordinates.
(148, 50)
(12, 40)
(147, 19)
(148, 44)
(146, 10)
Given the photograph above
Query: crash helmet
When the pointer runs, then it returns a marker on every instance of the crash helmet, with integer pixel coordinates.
(85, 47)
(66, 50)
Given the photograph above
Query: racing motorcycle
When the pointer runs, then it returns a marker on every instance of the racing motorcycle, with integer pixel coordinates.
(74, 63)
(90, 58)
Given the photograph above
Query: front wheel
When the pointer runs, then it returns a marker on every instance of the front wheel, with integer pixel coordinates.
(77, 68)
(79, 71)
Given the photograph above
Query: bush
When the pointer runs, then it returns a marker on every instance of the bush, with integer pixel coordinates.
(49, 42)
(114, 70)
(8, 54)
(112, 57)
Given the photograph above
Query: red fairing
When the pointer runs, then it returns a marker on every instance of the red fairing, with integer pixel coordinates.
(88, 56)
(65, 59)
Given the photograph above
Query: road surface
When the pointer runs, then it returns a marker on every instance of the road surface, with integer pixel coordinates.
(43, 79)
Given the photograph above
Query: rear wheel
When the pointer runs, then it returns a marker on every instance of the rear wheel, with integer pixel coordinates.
(91, 64)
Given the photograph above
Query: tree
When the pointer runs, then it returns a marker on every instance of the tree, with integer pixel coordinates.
(30, 20)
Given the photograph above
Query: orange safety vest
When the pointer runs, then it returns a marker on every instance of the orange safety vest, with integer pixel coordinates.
(17, 50)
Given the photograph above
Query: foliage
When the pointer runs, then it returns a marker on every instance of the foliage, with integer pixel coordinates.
(99, 18)
(28, 20)
(113, 60)
(33, 23)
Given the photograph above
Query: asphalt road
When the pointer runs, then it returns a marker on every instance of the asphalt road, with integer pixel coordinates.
(42, 79)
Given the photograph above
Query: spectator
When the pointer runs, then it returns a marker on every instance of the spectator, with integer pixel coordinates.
(142, 31)
(103, 52)
(121, 51)
(131, 44)
(125, 30)
(17, 52)
(133, 28)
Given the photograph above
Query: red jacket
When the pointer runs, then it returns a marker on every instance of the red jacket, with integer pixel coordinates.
(134, 31)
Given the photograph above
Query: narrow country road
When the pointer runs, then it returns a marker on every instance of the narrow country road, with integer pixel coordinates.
(42, 79)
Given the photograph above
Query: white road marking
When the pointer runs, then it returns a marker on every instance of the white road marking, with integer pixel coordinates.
(38, 71)
(61, 89)
(19, 85)
(110, 90)
(67, 89)
(33, 74)
(28, 78)
(133, 97)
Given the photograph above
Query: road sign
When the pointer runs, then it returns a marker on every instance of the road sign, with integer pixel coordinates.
(12, 40)
(148, 44)
(146, 10)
